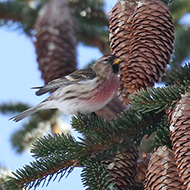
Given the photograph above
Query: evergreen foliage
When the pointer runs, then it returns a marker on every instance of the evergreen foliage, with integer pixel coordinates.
(60, 154)
(18, 139)
(31, 130)
(19, 12)
(55, 158)
(42, 170)
(12, 108)
(179, 8)
(182, 39)
(58, 144)
(157, 99)
(57, 155)
(160, 98)
(162, 136)
(38, 124)
(181, 76)
(90, 18)
(94, 176)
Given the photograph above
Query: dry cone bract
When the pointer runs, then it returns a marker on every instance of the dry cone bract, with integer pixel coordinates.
(56, 40)
(162, 172)
(141, 35)
(180, 136)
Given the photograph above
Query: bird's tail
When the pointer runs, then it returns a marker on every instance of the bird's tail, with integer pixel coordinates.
(26, 113)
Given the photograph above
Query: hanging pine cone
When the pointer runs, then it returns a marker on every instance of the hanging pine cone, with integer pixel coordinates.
(162, 172)
(123, 168)
(141, 35)
(180, 136)
(56, 40)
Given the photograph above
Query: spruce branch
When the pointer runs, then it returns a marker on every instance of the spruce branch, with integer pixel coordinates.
(162, 136)
(42, 170)
(126, 129)
(98, 133)
(51, 160)
(89, 9)
(181, 76)
(58, 155)
(8, 13)
(38, 125)
(12, 108)
(157, 99)
(90, 124)
(23, 137)
(20, 12)
(90, 16)
(133, 124)
(92, 23)
(59, 143)
(182, 48)
(95, 176)
(178, 9)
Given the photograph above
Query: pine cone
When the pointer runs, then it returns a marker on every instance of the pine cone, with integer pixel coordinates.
(142, 36)
(180, 137)
(162, 172)
(123, 168)
(142, 165)
(56, 40)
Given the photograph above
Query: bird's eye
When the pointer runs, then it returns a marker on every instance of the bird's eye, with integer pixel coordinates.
(106, 60)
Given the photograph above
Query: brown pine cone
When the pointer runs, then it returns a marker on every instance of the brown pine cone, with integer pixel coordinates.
(123, 168)
(55, 40)
(142, 36)
(180, 137)
(162, 171)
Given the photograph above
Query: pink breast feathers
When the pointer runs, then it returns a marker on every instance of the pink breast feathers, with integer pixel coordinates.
(105, 92)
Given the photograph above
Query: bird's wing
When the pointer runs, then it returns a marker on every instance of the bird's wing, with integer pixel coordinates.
(77, 76)
(81, 75)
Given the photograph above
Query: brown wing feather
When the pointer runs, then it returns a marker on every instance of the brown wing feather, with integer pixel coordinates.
(79, 75)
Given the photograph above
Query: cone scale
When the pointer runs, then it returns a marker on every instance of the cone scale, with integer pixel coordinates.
(141, 35)
(180, 137)
(123, 168)
(162, 171)
(55, 40)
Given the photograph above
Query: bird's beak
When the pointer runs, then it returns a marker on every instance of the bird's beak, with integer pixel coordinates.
(116, 61)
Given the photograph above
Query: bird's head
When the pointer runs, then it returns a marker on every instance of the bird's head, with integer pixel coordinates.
(106, 66)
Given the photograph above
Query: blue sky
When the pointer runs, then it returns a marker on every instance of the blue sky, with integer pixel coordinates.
(19, 72)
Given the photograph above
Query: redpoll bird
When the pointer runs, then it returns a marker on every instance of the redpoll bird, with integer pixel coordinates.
(83, 91)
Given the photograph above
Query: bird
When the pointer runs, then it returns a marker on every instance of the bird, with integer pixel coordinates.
(83, 91)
